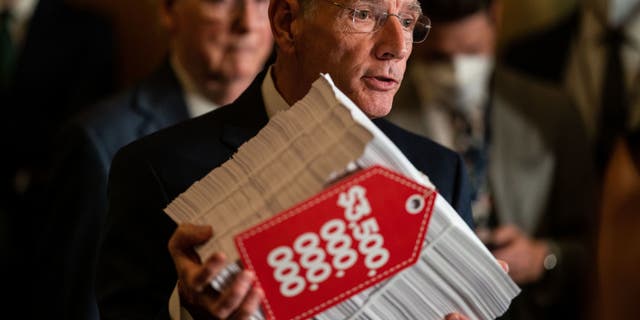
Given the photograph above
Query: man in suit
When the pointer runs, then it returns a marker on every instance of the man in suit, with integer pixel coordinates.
(365, 53)
(216, 49)
(524, 146)
(578, 51)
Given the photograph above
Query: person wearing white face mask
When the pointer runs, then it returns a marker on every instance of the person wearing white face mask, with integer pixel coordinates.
(457, 88)
(576, 56)
(449, 75)
(525, 148)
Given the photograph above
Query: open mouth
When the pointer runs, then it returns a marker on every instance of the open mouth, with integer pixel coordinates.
(381, 83)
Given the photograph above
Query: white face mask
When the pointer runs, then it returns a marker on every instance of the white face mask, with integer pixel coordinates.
(615, 12)
(472, 73)
(458, 89)
(461, 85)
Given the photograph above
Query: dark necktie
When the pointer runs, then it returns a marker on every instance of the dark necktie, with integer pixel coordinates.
(614, 104)
(6, 49)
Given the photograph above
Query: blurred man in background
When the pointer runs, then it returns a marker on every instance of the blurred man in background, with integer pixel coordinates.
(594, 55)
(215, 51)
(525, 149)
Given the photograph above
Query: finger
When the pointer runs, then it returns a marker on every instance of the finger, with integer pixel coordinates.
(505, 252)
(504, 265)
(234, 295)
(200, 305)
(200, 277)
(250, 304)
(455, 316)
(182, 242)
(194, 275)
(186, 236)
(503, 235)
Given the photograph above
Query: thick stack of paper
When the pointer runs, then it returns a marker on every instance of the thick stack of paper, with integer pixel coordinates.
(301, 150)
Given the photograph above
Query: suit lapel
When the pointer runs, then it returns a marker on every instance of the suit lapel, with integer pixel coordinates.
(159, 101)
(246, 116)
(523, 162)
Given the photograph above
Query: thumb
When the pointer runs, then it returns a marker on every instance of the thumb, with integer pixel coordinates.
(503, 235)
(189, 235)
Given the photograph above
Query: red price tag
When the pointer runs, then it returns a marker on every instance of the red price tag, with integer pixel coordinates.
(351, 236)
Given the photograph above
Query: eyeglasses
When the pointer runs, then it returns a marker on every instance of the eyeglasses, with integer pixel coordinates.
(367, 17)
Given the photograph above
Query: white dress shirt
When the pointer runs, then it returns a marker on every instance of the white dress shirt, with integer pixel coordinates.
(197, 103)
(21, 13)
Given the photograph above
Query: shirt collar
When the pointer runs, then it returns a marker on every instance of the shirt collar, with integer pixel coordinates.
(24, 9)
(21, 13)
(593, 29)
(273, 101)
(197, 103)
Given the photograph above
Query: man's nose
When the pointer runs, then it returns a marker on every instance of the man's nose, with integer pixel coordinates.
(394, 40)
(245, 14)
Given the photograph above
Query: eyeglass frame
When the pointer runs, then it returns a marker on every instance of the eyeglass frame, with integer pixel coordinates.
(381, 19)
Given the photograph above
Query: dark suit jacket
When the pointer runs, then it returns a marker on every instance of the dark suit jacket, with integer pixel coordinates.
(78, 188)
(66, 63)
(544, 54)
(135, 273)
(573, 202)
(541, 167)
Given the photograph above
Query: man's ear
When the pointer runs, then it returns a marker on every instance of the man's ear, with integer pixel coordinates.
(284, 16)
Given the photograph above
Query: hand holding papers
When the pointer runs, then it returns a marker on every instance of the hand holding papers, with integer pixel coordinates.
(303, 149)
(349, 237)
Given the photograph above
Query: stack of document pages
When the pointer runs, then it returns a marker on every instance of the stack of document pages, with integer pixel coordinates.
(321, 138)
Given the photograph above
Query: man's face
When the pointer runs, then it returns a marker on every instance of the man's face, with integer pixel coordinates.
(473, 35)
(222, 44)
(367, 67)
